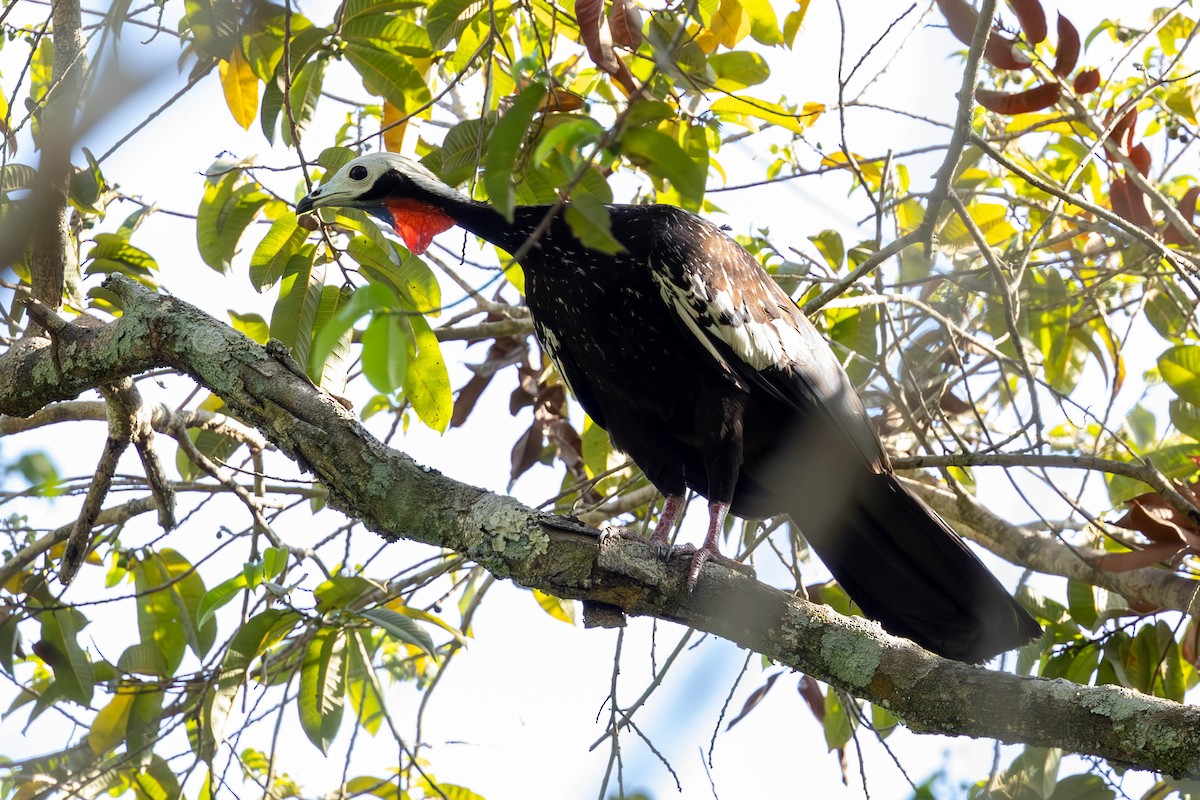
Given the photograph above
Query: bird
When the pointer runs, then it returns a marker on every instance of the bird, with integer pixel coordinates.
(708, 375)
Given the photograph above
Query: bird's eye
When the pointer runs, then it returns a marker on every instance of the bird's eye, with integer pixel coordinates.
(358, 172)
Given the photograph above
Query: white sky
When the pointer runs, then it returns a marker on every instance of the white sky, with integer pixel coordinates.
(515, 716)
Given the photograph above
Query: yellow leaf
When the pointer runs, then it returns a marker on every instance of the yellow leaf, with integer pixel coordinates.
(991, 218)
(241, 88)
(738, 108)
(869, 169)
(108, 728)
(556, 607)
(393, 133)
(731, 23)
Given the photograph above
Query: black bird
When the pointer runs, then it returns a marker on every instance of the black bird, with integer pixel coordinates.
(707, 374)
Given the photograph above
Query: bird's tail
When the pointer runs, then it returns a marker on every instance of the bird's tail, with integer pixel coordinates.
(905, 567)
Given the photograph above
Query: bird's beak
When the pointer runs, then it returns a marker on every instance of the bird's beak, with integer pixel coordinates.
(310, 201)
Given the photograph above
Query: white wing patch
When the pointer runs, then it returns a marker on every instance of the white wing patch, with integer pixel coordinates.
(761, 344)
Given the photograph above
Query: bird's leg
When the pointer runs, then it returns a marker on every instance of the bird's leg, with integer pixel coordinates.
(660, 540)
(710, 549)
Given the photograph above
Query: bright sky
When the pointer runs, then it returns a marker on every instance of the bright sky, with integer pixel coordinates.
(515, 716)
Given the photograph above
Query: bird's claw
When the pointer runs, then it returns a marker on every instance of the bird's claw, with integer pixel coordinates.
(619, 532)
(704, 554)
(661, 546)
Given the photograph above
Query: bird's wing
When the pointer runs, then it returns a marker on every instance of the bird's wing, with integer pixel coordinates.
(751, 329)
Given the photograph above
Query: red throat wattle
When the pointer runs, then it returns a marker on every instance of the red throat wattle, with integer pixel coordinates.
(417, 222)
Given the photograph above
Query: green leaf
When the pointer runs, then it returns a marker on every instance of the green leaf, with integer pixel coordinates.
(391, 32)
(1186, 418)
(362, 685)
(343, 592)
(385, 350)
(829, 244)
(158, 615)
(108, 727)
(213, 24)
(144, 658)
(332, 372)
(442, 19)
(295, 311)
(1180, 368)
(424, 616)
(426, 381)
(218, 596)
(250, 641)
(401, 628)
(225, 212)
(364, 300)
(252, 325)
(1081, 600)
(738, 69)
(839, 724)
(10, 637)
(73, 673)
(556, 607)
(411, 278)
(113, 253)
(764, 25)
(461, 150)
(1082, 787)
(306, 91)
(271, 256)
(390, 76)
(660, 155)
(500, 158)
(141, 729)
(323, 687)
(591, 224)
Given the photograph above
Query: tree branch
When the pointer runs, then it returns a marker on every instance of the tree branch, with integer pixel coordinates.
(395, 497)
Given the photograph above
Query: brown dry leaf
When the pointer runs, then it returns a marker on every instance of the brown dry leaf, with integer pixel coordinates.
(1187, 209)
(625, 22)
(596, 37)
(1032, 19)
(1067, 54)
(1136, 559)
(1035, 99)
(1087, 81)
(811, 692)
(755, 698)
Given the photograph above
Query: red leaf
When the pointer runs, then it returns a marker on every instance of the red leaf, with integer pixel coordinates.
(813, 698)
(1187, 209)
(753, 700)
(625, 22)
(1140, 156)
(1039, 97)
(1068, 48)
(1087, 81)
(1129, 202)
(1136, 559)
(1124, 126)
(1152, 522)
(597, 41)
(1000, 51)
(1032, 19)
(468, 395)
(961, 19)
(526, 452)
(1190, 643)
(952, 404)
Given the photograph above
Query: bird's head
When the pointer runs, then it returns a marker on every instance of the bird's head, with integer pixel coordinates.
(396, 189)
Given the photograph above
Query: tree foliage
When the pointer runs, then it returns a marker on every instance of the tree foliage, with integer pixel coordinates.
(1026, 316)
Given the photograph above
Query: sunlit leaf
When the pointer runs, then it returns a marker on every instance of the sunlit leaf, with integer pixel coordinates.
(321, 695)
